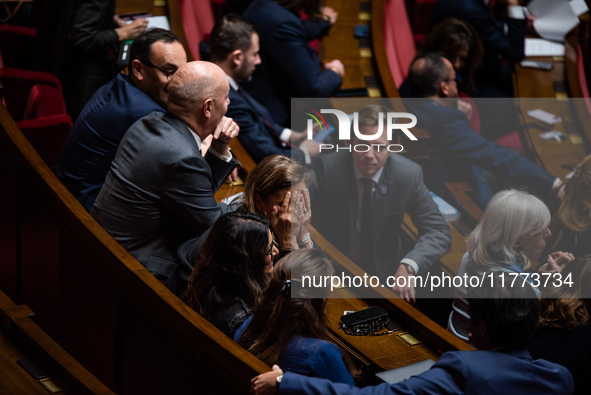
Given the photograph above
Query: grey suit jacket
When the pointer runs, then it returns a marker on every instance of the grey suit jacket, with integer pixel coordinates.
(333, 193)
(159, 191)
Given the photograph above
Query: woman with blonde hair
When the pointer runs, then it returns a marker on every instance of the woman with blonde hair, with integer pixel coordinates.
(275, 190)
(288, 326)
(571, 225)
(512, 234)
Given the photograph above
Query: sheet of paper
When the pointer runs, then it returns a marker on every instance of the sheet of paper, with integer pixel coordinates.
(541, 47)
(544, 116)
(554, 18)
(158, 21)
(405, 372)
(579, 6)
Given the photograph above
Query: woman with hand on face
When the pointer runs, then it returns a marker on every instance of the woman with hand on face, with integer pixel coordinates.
(288, 326)
(512, 234)
(232, 271)
(276, 189)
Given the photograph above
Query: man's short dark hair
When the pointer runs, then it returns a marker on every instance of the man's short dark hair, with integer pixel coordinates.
(230, 33)
(426, 73)
(510, 313)
(142, 45)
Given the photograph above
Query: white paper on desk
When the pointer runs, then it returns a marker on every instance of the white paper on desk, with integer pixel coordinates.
(579, 6)
(554, 18)
(405, 372)
(158, 21)
(541, 47)
(544, 116)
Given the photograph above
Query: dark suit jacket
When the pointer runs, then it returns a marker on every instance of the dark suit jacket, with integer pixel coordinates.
(569, 348)
(159, 191)
(457, 153)
(333, 193)
(256, 137)
(85, 158)
(459, 372)
(290, 67)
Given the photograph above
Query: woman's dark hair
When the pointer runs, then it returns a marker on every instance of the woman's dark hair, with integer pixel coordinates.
(568, 306)
(231, 265)
(452, 36)
(278, 318)
(574, 212)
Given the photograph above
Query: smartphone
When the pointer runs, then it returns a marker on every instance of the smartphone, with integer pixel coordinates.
(535, 64)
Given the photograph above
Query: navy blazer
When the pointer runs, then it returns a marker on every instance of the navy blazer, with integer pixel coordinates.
(458, 153)
(258, 139)
(159, 192)
(86, 156)
(456, 372)
(290, 67)
(335, 208)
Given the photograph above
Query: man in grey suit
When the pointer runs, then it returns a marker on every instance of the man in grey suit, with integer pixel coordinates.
(338, 191)
(160, 190)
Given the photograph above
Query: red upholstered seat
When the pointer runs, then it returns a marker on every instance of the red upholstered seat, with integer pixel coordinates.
(18, 85)
(35, 102)
(17, 46)
(398, 39)
(197, 21)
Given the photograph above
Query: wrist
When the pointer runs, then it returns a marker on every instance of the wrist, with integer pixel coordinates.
(410, 270)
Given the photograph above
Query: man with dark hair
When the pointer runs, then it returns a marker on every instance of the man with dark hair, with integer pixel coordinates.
(86, 156)
(359, 199)
(456, 151)
(503, 319)
(235, 48)
(160, 190)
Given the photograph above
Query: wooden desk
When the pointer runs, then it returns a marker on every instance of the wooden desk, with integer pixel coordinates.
(21, 338)
(548, 90)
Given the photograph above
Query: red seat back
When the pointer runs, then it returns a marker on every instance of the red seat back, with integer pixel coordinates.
(18, 85)
(197, 22)
(398, 40)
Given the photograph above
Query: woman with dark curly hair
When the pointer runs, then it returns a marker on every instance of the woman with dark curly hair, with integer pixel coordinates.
(564, 332)
(232, 271)
(571, 225)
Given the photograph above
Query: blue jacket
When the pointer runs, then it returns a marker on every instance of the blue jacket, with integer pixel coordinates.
(258, 139)
(290, 67)
(459, 372)
(85, 158)
(457, 153)
(311, 357)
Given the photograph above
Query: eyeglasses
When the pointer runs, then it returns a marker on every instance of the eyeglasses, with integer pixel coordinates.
(271, 252)
(457, 79)
(167, 73)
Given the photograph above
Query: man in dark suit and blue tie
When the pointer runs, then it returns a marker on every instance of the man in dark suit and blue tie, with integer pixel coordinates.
(235, 48)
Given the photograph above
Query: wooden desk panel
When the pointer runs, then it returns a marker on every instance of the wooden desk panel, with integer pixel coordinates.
(551, 85)
(341, 44)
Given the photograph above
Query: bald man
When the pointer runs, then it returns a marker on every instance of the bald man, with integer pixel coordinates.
(160, 190)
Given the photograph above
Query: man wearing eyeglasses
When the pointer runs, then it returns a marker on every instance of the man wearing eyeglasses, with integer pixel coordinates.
(86, 156)
(456, 151)
(159, 192)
